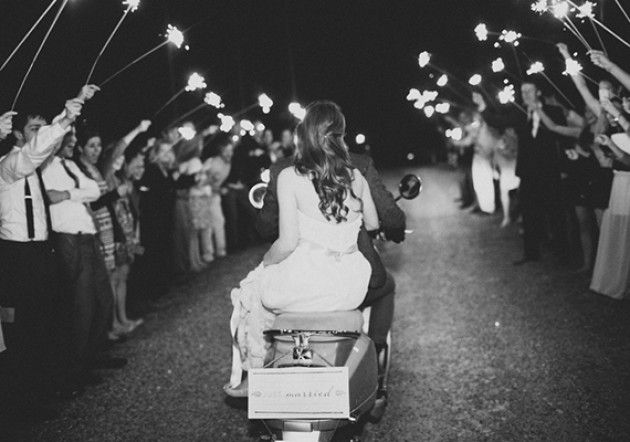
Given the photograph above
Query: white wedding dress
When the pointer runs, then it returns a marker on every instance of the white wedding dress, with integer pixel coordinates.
(326, 272)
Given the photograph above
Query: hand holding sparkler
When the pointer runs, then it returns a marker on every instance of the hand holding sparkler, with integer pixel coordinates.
(144, 126)
(87, 92)
(6, 124)
(478, 99)
(72, 111)
(600, 59)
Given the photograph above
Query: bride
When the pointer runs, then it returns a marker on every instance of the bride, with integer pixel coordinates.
(314, 265)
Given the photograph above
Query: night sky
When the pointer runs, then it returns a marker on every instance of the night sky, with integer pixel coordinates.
(359, 53)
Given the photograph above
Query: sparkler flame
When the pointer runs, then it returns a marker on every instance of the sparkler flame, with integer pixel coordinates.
(195, 82)
(424, 59)
(536, 68)
(481, 31)
(175, 36)
(187, 132)
(475, 80)
(443, 108)
(507, 94)
(429, 111)
(498, 65)
(442, 81)
(560, 10)
(227, 122)
(540, 6)
(297, 110)
(414, 94)
(360, 139)
(132, 5)
(429, 96)
(246, 125)
(573, 67)
(511, 37)
(586, 10)
(264, 101)
(214, 100)
(455, 134)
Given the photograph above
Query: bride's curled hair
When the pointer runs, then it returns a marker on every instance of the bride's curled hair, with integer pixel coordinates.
(323, 155)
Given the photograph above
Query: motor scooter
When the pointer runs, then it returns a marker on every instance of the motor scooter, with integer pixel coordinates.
(320, 373)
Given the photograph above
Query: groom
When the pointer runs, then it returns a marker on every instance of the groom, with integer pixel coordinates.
(380, 295)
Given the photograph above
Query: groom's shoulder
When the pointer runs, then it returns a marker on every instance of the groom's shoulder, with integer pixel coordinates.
(361, 161)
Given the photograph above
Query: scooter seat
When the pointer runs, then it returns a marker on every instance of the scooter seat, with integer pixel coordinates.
(351, 320)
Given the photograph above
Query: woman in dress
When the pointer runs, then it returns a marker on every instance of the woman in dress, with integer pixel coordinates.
(314, 265)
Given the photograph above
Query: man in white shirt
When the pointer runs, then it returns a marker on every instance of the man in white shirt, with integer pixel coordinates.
(87, 290)
(28, 282)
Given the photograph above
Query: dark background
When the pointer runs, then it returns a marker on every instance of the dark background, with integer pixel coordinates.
(359, 53)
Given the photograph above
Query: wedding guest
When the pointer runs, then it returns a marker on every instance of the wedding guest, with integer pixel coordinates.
(218, 168)
(27, 297)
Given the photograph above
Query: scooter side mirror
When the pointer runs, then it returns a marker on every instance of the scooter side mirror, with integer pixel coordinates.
(257, 195)
(410, 186)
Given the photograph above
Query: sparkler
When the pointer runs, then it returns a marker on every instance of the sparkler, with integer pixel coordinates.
(30, 31)
(227, 122)
(195, 82)
(623, 11)
(424, 59)
(443, 108)
(511, 37)
(414, 94)
(265, 103)
(442, 81)
(540, 6)
(475, 80)
(211, 99)
(173, 35)
(481, 31)
(132, 6)
(498, 65)
(455, 134)
(573, 67)
(429, 111)
(297, 110)
(506, 95)
(360, 139)
(604, 27)
(39, 50)
(536, 68)
(187, 132)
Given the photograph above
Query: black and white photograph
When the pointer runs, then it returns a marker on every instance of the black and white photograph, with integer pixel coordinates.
(314, 220)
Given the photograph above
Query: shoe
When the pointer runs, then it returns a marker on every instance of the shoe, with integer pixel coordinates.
(132, 325)
(525, 260)
(109, 363)
(239, 391)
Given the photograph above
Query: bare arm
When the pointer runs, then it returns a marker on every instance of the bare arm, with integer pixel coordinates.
(567, 131)
(580, 84)
(600, 59)
(288, 223)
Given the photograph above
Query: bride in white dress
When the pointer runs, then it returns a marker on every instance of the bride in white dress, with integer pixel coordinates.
(314, 265)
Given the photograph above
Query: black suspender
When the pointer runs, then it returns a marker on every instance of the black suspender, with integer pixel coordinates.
(28, 202)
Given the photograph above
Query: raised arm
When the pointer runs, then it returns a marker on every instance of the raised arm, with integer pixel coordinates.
(580, 84)
(110, 157)
(567, 131)
(600, 59)
(23, 162)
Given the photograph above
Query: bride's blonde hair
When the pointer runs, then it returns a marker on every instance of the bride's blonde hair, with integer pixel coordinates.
(322, 154)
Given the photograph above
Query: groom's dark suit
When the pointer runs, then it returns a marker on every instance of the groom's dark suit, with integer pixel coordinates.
(392, 219)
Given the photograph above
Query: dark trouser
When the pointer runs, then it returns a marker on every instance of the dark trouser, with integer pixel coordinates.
(466, 189)
(541, 202)
(28, 284)
(88, 296)
(240, 217)
(381, 299)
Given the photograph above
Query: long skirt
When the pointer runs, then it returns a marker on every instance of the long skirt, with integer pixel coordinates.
(483, 182)
(611, 275)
